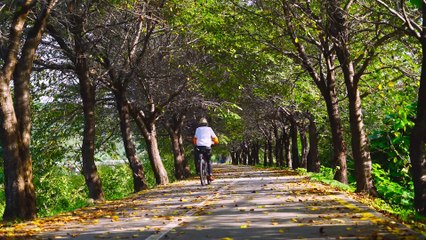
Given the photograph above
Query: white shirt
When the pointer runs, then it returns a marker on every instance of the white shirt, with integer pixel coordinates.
(204, 136)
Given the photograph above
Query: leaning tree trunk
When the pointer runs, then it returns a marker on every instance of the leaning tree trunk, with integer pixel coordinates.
(15, 128)
(147, 126)
(160, 172)
(87, 92)
(418, 135)
(138, 172)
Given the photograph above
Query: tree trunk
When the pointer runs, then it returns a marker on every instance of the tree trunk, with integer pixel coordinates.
(270, 153)
(18, 204)
(246, 152)
(294, 145)
(255, 153)
(87, 92)
(287, 148)
(147, 126)
(234, 158)
(281, 151)
(265, 154)
(361, 153)
(279, 148)
(248, 149)
(15, 122)
(326, 83)
(182, 170)
(174, 128)
(160, 172)
(305, 150)
(138, 172)
(313, 158)
(360, 149)
(418, 134)
(339, 145)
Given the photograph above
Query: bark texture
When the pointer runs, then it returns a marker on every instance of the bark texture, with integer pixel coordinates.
(87, 93)
(361, 154)
(15, 112)
(138, 172)
(418, 135)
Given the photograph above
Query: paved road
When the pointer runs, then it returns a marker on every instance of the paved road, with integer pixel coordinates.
(243, 203)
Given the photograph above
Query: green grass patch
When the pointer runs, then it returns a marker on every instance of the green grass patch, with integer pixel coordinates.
(326, 176)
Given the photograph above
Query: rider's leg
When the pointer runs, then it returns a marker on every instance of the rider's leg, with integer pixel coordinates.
(208, 156)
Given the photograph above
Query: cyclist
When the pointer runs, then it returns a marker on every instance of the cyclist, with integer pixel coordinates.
(203, 139)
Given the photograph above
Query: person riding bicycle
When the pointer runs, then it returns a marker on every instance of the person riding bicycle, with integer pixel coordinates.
(203, 139)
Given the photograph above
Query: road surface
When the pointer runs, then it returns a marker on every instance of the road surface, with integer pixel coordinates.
(242, 203)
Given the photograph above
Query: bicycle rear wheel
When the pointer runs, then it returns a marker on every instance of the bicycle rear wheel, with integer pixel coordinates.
(203, 172)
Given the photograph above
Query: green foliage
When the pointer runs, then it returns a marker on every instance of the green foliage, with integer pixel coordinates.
(416, 3)
(326, 176)
(117, 181)
(59, 190)
(390, 191)
(390, 146)
(168, 162)
(395, 198)
(2, 200)
(302, 171)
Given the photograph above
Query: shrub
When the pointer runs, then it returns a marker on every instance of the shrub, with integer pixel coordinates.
(390, 191)
(117, 181)
(59, 190)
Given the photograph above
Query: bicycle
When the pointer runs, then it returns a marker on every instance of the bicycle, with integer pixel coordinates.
(202, 166)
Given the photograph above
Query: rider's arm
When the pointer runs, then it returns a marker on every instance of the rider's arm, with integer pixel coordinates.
(214, 137)
(215, 140)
